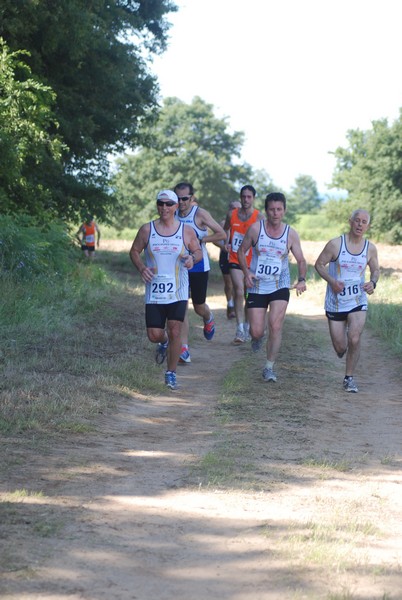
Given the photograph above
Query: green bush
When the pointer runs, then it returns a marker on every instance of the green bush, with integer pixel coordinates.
(28, 249)
(317, 227)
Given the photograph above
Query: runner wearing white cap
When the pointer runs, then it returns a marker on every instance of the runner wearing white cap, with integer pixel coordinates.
(170, 249)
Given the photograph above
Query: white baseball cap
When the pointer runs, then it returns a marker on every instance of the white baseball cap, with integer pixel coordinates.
(167, 194)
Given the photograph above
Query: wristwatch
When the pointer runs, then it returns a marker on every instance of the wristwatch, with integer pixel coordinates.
(301, 279)
(374, 283)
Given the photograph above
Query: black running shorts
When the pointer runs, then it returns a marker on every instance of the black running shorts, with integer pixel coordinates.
(156, 315)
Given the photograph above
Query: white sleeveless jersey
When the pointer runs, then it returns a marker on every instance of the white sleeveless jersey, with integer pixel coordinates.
(189, 219)
(164, 255)
(350, 269)
(270, 262)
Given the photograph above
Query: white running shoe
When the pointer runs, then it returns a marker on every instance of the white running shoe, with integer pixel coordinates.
(349, 385)
(268, 374)
(185, 356)
(239, 337)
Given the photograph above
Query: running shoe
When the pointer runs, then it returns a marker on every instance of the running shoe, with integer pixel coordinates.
(268, 374)
(349, 385)
(170, 380)
(185, 356)
(256, 345)
(161, 352)
(209, 329)
(239, 337)
(230, 312)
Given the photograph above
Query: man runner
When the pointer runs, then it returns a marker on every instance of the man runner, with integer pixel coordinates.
(268, 278)
(347, 257)
(202, 223)
(170, 250)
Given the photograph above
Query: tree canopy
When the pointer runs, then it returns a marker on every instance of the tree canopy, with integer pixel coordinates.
(304, 197)
(26, 146)
(93, 56)
(186, 143)
(370, 169)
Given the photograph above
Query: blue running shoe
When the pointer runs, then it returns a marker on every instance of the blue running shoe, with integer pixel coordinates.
(209, 329)
(256, 345)
(170, 380)
(269, 374)
(161, 351)
(349, 385)
(185, 356)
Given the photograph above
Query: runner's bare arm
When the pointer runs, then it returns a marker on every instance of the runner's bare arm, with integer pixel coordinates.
(374, 267)
(296, 250)
(222, 243)
(330, 252)
(249, 239)
(206, 220)
(98, 234)
(139, 243)
(193, 244)
(226, 225)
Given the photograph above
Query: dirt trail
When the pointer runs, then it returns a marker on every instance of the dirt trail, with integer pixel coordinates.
(133, 525)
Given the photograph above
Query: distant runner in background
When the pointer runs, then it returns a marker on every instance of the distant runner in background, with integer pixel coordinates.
(347, 257)
(86, 236)
(237, 222)
(224, 267)
(170, 250)
(268, 277)
(203, 224)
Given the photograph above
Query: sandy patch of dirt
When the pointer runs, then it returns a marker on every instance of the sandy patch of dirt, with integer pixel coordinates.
(128, 515)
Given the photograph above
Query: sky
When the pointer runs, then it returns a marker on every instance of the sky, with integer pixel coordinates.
(293, 75)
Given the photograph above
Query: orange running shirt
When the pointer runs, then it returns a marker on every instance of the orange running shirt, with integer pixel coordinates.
(238, 230)
(89, 233)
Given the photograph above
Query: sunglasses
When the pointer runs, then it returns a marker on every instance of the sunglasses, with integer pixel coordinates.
(169, 203)
(184, 198)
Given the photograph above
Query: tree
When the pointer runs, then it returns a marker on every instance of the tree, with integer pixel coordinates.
(93, 55)
(263, 185)
(26, 146)
(186, 143)
(304, 197)
(370, 170)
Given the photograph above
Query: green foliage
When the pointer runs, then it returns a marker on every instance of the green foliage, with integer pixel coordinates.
(28, 250)
(94, 56)
(317, 227)
(385, 312)
(370, 169)
(27, 148)
(263, 185)
(186, 143)
(303, 197)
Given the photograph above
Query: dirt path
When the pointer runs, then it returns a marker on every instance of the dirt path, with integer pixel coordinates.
(321, 518)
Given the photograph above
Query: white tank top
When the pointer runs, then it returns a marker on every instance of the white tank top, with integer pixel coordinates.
(164, 255)
(203, 265)
(350, 269)
(270, 262)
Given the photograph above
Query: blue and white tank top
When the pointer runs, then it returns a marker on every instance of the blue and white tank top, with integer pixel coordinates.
(164, 254)
(270, 262)
(189, 219)
(349, 268)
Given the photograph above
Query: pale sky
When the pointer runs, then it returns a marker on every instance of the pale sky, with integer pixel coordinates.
(293, 75)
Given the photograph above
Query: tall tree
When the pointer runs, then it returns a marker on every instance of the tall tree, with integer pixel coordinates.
(370, 170)
(304, 197)
(26, 146)
(187, 143)
(93, 55)
(263, 185)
